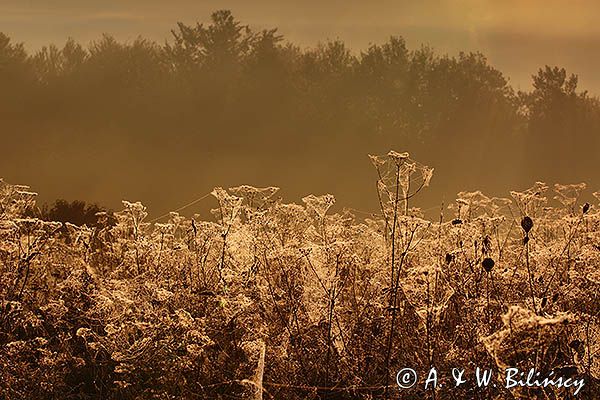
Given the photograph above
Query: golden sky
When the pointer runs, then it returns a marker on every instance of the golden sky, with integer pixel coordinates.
(518, 36)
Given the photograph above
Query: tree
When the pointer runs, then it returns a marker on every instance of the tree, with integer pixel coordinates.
(16, 75)
(220, 46)
(76, 212)
(563, 124)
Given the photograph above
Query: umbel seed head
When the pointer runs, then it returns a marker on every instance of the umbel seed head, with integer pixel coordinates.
(526, 224)
(487, 264)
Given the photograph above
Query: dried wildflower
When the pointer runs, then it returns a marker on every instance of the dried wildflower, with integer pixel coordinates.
(568, 194)
(487, 264)
(377, 161)
(526, 224)
(528, 330)
(427, 174)
(398, 157)
(586, 208)
(319, 204)
(229, 206)
(254, 196)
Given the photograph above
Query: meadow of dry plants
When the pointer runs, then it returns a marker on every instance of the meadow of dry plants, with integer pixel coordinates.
(292, 301)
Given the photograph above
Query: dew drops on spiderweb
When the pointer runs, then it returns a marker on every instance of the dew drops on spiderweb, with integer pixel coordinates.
(319, 204)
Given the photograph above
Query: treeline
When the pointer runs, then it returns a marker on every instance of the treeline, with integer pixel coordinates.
(243, 100)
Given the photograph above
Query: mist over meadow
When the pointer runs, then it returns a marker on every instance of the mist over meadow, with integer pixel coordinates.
(221, 104)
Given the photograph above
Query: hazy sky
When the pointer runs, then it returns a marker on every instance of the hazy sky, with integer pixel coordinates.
(518, 36)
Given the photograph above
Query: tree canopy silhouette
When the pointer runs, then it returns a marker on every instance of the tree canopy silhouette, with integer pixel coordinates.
(243, 102)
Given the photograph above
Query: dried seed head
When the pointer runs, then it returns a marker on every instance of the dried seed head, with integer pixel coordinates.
(487, 264)
(586, 208)
(526, 224)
